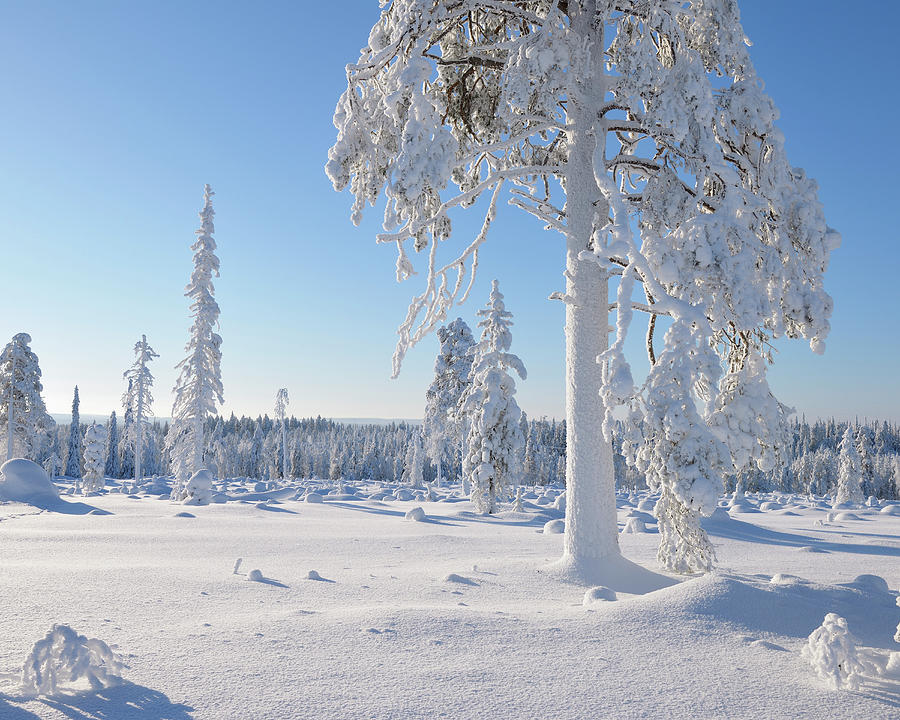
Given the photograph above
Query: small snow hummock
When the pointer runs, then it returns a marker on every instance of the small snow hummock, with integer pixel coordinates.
(313, 497)
(554, 527)
(634, 525)
(255, 575)
(65, 656)
(26, 482)
(313, 575)
(417, 514)
(598, 594)
(199, 488)
(832, 653)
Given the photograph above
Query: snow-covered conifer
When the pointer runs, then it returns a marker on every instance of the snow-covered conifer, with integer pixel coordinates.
(849, 471)
(112, 447)
(415, 461)
(649, 120)
(442, 426)
(75, 449)
(495, 445)
(199, 385)
(138, 400)
(281, 403)
(94, 458)
(24, 421)
(126, 448)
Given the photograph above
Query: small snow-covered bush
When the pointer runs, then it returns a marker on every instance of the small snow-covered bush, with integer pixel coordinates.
(417, 514)
(94, 458)
(64, 656)
(199, 488)
(833, 655)
(897, 634)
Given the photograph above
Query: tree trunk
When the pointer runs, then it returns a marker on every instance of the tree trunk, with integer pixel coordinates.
(591, 533)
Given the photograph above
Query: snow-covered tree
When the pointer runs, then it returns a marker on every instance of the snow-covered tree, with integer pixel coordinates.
(75, 449)
(126, 447)
(199, 385)
(24, 421)
(415, 461)
(849, 471)
(442, 427)
(94, 458)
(112, 447)
(138, 401)
(281, 403)
(495, 445)
(639, 132)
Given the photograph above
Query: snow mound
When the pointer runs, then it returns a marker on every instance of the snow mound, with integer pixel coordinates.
(771, 505)
(598, 594)
(890, 510)
(460, 579)
(811, 549)
(403, 495)
(870, 583)
(255, 576)
(845, 516)
(64, 656)
(313, 575)
(554, 527)
(417, 514)
(647, 505)
(560, 502)
(786, 579)
(185, 515)
(634, 525)
(199, 488)
(313, 497)
(26, 482)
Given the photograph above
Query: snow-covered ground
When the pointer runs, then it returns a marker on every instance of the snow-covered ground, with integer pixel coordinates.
(362, 613)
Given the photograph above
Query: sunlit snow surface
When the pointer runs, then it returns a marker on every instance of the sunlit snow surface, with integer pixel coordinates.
(360, 613)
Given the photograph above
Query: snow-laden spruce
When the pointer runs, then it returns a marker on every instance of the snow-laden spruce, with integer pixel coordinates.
(443, 426)
(24, 422)
(199, 384)
(849, 471)
(138, 401)
(112, 447)
(495, 443)
(75, 446)
(638, 131)
(94, 458)
(281, 403)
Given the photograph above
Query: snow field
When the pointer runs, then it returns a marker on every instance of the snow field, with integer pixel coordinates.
(456, 617)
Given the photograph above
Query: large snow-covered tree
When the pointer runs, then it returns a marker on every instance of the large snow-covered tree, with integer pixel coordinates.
(138, 401)
(75, 446)
(24, 421)
(639, 132)
(442, 425)
(199, 385)
(495, 445)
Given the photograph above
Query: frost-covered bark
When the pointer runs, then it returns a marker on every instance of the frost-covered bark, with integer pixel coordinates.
(849, 471)
(649, 121)
(94, 458)
(22, 408)
(75, 446)
(199, 385)
(442, 427)
(495, 443)
(138, 401)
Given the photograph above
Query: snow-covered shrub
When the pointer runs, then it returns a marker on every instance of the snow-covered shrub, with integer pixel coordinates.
(94, 458)
(198, 490)
(64, 656)
(832, 652)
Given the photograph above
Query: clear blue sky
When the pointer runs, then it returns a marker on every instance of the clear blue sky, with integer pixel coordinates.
(115, 114)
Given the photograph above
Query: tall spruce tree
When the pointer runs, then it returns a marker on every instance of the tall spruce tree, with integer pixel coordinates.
(495, 448)
(75, 446)
(139, 397)
(199, 385)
